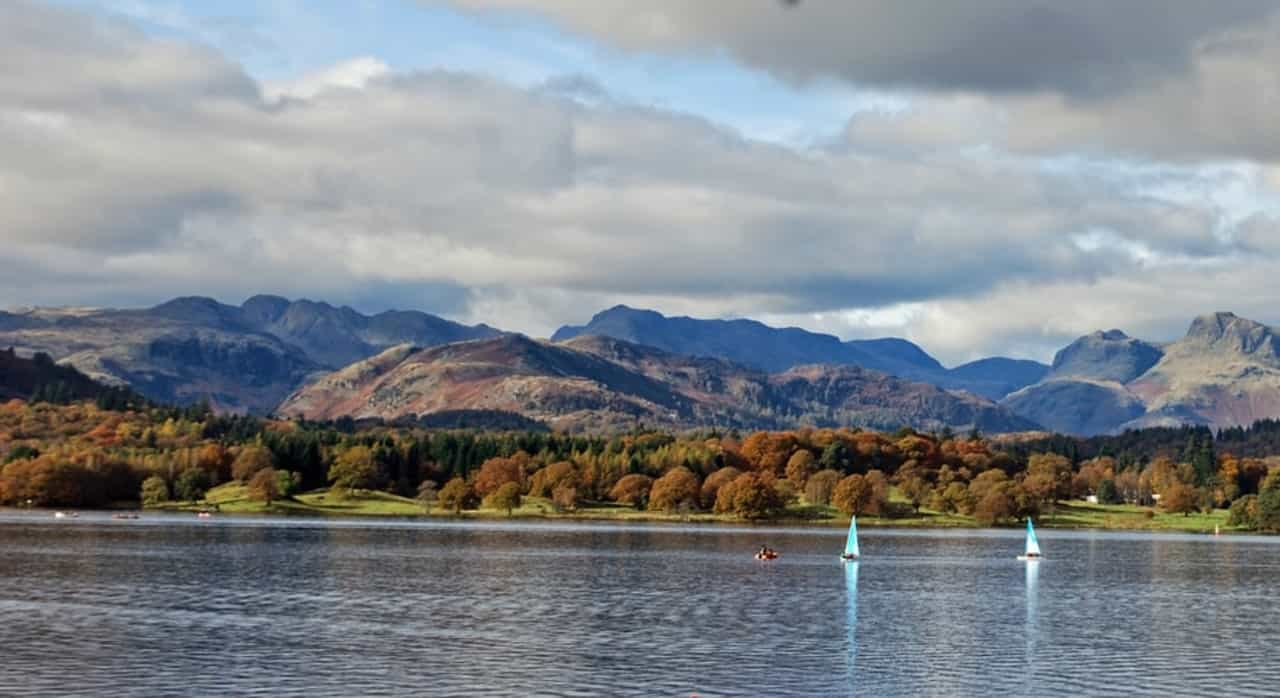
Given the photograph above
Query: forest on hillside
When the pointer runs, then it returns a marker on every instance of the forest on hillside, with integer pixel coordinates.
(90, 454)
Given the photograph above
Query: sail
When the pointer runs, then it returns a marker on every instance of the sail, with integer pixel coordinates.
(1033, 545)
(851, 544)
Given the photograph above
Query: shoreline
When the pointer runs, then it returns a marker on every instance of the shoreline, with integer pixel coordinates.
(1065, 518)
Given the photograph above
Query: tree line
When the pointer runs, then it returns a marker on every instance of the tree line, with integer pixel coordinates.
(86, 454)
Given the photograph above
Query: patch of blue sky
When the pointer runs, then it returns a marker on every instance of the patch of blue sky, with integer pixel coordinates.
(278, 40)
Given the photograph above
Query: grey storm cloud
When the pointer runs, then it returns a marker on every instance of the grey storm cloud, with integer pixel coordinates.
(1176, 79)
(134, 167)
(1084, 48)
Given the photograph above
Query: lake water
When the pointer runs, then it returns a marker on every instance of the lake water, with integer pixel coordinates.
(171, 605)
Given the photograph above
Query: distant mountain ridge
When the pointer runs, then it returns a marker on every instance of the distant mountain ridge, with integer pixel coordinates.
(1224, 372)
(778, 349)
(590, 382)
(240, 358)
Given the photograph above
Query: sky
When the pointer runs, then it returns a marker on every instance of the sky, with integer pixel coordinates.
(987, 177)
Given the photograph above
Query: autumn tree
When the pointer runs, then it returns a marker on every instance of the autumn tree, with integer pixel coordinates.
(456, 495)
(216, 460)
(750, 496)
(711, 486)
(878, 504)
(559, 474)
(633, 490)
(354, 468)
(1055, 472)
(996, 504)
(820, 487)
(506, 497)
(1180, 498)
(565, 497)
(677, 487)
(917, 491)
(264, 486)
(952, 499)
(852, 495)
(800, 466)
(786, 490)
(769, 451)
(250, 460)
(496, 472)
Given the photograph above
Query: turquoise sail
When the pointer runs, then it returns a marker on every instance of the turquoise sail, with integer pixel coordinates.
(1033, 544)
(851, 543)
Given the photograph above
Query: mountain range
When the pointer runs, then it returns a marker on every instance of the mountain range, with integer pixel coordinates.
(597, 383)
(777, 349)
(239, 358)
(626, 366)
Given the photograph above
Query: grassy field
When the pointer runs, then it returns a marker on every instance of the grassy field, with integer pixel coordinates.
(1129, 517)
(230, 498)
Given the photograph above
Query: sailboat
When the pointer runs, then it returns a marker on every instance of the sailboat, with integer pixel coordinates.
(851, 543)
(1033, 545)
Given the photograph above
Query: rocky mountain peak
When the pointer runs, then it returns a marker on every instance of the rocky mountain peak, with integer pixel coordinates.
(1109, 355)
(1226, 331)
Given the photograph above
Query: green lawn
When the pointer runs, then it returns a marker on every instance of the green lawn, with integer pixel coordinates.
(230, 498)
(1128, 516)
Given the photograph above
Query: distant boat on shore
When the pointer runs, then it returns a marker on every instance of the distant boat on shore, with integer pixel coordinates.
(851, 551)
(1032, 550)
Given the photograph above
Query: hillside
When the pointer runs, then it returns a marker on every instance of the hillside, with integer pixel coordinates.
(22, 377)
(591, 382)
(244, 358)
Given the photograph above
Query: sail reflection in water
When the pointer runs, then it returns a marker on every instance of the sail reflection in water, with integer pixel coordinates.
(851, 631)
(1032, 631)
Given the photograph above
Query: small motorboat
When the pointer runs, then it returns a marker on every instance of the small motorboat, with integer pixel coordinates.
(59, 514)
(203, 515)
(767, 554)
(124, 517)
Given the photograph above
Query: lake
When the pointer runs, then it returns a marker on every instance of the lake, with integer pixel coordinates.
(170, 605)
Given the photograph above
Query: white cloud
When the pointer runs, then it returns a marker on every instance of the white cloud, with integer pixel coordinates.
(352, 74)
(153, 169)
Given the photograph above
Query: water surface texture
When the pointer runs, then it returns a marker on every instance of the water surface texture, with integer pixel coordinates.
(171, 605)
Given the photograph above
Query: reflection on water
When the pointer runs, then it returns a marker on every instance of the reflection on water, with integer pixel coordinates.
(168, 606)
(1032, 631)
(851, 616)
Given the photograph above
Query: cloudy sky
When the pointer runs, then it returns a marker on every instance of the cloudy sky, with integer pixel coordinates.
(992, 176)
